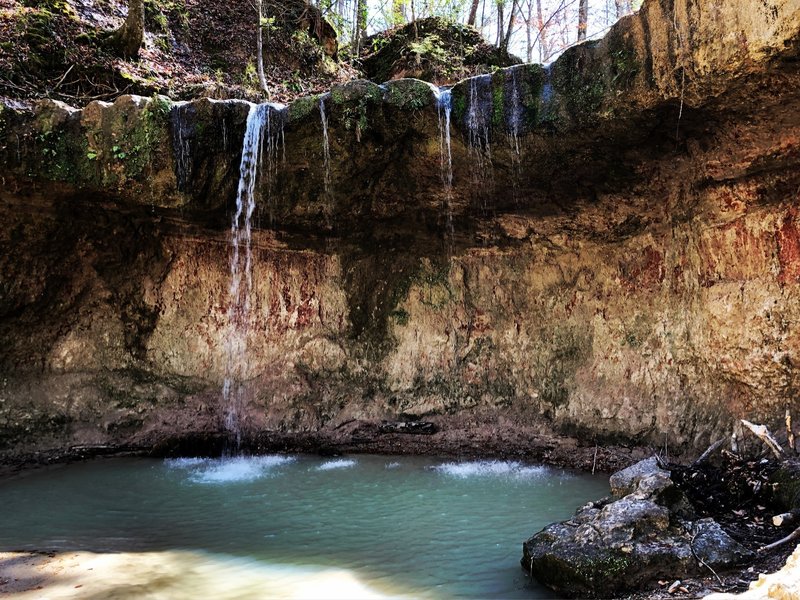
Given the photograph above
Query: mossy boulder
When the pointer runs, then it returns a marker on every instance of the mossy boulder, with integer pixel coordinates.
(432, 49)
(409, 94)
(613, 547)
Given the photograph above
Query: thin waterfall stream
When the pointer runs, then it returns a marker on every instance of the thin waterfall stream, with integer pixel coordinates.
(260, 140)
(444, 107)
(326, 146)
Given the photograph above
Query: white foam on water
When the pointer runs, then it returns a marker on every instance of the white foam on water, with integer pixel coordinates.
(341, 463)
(230, 470)
(183, 463)
(392, 465)
(490, 468)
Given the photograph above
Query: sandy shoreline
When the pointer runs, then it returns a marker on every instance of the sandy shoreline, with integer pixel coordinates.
(173, 575)
(190, 575)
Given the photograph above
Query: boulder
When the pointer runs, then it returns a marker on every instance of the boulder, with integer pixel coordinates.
(627, 481)
(628, 543)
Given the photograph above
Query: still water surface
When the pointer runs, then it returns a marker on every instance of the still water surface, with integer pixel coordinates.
(397, 526)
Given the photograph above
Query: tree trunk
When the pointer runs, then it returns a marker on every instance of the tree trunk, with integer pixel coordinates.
(473, 13)
(262, 80)
(528, 30)
(500, 22)
(511, 21)
(359, 26)
(541, 25)
(130, 37)
(583, 19)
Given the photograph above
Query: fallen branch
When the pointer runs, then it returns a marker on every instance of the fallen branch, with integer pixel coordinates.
(63, 77)
(762, 433)
(792, 536)
(709, 451)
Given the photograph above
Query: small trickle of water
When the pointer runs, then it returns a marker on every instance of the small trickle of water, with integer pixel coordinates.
(479, 122)
(547, 87)
(326, 146)
(444, 108)
(479, 116)
(182, 136)
(273, 150)
(514, 115)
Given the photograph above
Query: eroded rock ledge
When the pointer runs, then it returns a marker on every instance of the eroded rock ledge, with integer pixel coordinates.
(630, 274)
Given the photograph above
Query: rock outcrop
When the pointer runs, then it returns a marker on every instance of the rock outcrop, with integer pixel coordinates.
(618, 257)
(646, 532)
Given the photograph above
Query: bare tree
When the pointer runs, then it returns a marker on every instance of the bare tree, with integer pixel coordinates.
(583, 19)
(473, 12)
(542, 25)
(360, 25)
(500, 20)
(511, 22)
(262, 80)
(130, 36)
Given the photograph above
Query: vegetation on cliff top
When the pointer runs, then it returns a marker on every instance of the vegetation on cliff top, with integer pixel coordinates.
(432, 49)
(193, 48)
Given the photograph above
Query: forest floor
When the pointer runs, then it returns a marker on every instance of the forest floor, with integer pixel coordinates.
(202, 48)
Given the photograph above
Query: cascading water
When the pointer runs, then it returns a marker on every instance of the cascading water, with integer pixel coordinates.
(181, 117)
(514, 111)
(514, 115)
(444, 106)
(273, 144)
(255, 147)
(478, 121)
(326, 146)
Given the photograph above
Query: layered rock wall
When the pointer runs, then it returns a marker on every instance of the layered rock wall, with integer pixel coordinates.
(619, 256)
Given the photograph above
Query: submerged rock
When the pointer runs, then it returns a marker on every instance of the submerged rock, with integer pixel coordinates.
(625, 544)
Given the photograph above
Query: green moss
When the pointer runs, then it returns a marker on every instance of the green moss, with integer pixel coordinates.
(625, 64)
(498, 100)
(606, 569)
(409, 94)
(302, 107)
(140, 144)
(354, 101)
(581, 86)
(459, 102)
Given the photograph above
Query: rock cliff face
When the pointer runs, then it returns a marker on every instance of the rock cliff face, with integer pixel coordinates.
(618, 257)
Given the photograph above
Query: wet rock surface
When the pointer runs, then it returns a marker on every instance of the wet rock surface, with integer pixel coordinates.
(685, 529)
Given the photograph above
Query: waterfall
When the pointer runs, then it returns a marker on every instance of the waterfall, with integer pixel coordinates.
(514, 118)
(515, 121)
(444, 106)
(326, 146)
(479, 115)
(255, 147)
(478, 121)
(181, 119)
